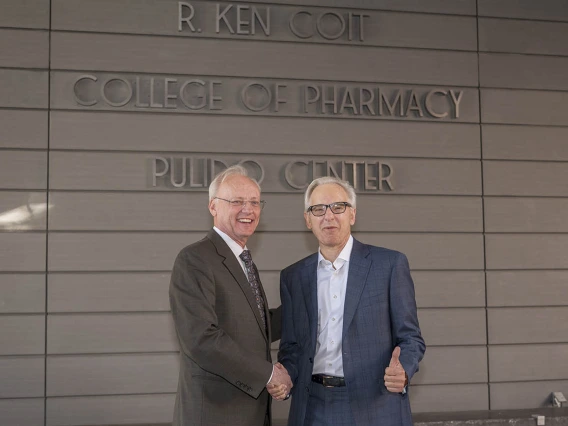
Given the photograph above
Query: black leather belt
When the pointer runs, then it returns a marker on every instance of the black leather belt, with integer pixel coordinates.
(328, 381)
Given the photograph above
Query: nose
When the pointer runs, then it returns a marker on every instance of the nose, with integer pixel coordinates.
(247, 206)
(328, 214)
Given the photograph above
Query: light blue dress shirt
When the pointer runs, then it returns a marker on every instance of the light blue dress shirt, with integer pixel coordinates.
(331, 288)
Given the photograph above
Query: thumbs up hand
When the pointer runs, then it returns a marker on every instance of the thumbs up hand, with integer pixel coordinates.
(395, 376)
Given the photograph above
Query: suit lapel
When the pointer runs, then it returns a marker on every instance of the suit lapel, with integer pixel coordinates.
(359, 266)
(235, 269)
(309, 285)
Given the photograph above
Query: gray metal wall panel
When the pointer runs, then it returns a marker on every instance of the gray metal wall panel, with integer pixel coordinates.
(446, 289)
(133, 172)
(283, 212)
(157, 251)
(458, 7)
(112, 374)
(527, 288)
(21, 377)
(22, 293)
(452, 364)
(533, 251)
(110, 333)
(526, 394)
(22, 411)
(117, 251)
(22, 334)
(122, 292)
(23, 89)
(442, 327)
(526, 214)
(24, 48)
(553, 10)
(161, 17)
(23, 129)
(23, 169)
(527, 325)
(525, 178)
(501, 142)
(454, 7)
(523, 36)
(523, 71)
(524, 107)
(133, 211)
(434, 251)
(417, 214)
(23, 211)
(104, 410)
(271, 283)
(529, 363)
(436, 398)
(24, 13)
(73, 51)
(22, 252)
(105, 131)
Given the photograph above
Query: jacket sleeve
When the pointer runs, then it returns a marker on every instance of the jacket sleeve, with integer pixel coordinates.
(192, 300)
(404, 317)
(289, 351)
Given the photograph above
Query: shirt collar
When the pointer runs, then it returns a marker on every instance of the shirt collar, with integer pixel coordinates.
(343, 256)
(233, 245)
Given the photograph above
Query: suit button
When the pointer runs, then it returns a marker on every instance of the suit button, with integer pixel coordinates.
(307, 389)
(311, 360)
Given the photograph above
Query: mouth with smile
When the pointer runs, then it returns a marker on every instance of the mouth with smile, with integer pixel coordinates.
(245, 220)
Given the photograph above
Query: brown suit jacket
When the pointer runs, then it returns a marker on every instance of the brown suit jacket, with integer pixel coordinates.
(225, 358)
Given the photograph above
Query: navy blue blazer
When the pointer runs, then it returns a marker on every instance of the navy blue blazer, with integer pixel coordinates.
(379, 314)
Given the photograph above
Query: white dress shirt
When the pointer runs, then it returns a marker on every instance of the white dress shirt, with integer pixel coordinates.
(331, 288)
(234, 246)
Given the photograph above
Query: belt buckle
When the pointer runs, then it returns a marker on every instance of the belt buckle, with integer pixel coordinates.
(325, 382)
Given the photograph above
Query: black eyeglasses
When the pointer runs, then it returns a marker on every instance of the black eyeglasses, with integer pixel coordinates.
(321, 209)
(257, 205)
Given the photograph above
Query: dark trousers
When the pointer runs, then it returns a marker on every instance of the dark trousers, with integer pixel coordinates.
(328, 407)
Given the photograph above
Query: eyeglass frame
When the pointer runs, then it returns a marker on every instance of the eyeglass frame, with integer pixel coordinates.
(329, 206)
(242, 203)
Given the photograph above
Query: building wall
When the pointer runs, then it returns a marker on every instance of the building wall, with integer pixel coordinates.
(479, 199)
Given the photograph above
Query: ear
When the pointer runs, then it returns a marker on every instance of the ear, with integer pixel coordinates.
(308, 220)
(213, 208)
(352, 215)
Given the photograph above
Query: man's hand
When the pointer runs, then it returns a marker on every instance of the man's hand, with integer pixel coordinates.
(395, 376)
(281, 384)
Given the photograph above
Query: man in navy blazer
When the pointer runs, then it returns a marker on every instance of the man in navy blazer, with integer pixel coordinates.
(351, 341)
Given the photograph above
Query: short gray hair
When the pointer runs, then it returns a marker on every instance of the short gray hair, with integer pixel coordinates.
(351, 196)
(236, 170)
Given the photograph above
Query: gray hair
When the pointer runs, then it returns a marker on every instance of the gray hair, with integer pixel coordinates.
(236, 170)
(351, 196)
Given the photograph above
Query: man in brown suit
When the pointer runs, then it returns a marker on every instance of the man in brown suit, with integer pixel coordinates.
(222, 318)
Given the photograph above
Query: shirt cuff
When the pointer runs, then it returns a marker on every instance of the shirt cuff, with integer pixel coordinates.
(271, 374)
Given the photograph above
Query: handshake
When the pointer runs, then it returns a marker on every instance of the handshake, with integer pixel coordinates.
(280, 385)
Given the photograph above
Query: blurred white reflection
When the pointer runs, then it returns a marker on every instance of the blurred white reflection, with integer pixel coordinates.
(21, 217)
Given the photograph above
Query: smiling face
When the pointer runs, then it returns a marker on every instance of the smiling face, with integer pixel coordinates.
(239, 223)
(331, 230)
